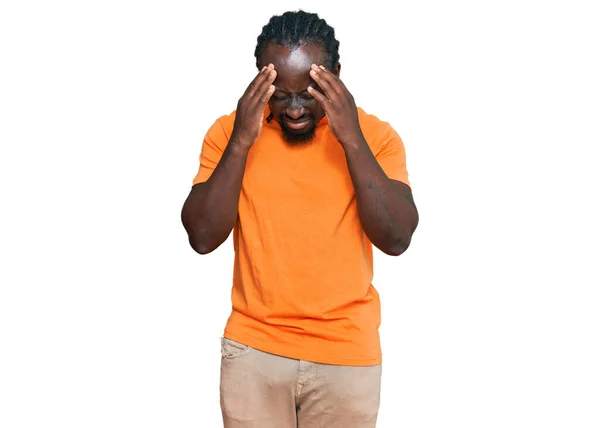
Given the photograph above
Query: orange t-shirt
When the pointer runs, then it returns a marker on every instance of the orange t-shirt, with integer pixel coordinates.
(303, 265)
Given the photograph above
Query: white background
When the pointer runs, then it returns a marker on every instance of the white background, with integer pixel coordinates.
(109, 319)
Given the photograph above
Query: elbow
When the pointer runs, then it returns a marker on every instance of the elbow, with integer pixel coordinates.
(201, 246)
(401, 243)
(199, 237)
(202, 239)
(199, 240)
(393, 244)
(202, 249)
(399, 247)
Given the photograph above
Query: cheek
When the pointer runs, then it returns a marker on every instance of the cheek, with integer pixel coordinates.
(318, 112)
(274, 108)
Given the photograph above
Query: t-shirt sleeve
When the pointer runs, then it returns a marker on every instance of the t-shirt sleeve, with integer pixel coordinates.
(392, 157)
(213, 147)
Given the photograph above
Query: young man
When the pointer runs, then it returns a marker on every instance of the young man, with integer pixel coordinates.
(308, 182)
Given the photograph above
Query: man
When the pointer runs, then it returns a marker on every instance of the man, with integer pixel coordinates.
(307, 181)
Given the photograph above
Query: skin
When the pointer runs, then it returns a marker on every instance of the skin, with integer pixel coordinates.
(292, 102)
(210, 210)
(386, 208)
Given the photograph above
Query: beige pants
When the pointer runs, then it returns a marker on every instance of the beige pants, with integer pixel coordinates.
(260, 390)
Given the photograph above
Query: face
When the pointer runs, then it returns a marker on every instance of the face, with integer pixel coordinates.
(291, 104)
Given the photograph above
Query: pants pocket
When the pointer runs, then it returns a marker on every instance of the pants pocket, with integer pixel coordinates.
(232, 349)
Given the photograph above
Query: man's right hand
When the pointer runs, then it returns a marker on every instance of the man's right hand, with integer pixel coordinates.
(251, 107)
(211, 209)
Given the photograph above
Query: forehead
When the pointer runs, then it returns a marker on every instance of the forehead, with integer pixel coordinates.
(292, 64)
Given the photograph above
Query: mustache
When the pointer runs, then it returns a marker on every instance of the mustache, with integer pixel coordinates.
(284, 116)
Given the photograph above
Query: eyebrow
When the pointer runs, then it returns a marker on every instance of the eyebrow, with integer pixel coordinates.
(281, 90)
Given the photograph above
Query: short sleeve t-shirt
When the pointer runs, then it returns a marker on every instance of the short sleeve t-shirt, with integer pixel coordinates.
(303, 265)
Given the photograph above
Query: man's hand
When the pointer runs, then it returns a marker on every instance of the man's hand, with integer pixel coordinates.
(251, 107)
(338, 104)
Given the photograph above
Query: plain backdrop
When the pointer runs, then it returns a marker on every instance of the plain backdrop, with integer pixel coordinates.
(109, 319)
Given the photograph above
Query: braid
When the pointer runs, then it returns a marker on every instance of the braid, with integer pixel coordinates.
(293, 29)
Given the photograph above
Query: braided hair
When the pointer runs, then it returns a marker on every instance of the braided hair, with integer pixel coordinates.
(293, 29)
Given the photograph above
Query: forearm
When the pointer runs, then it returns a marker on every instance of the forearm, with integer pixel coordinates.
(386, 208)
(211, 209)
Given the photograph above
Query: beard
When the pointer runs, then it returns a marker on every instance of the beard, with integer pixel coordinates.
(291, 136)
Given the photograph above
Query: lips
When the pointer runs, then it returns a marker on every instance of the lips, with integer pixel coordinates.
(297, 124)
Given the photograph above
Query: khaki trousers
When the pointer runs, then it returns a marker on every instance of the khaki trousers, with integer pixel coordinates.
(260, 390)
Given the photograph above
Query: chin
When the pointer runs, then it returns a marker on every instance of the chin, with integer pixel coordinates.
(298, 136)
(294, 137)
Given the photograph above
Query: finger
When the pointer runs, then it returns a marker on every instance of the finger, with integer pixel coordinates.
(264, 99)
(339, 81)
(265, 86)
(336, 84)
(322, 99)
(258, 80)
(324, 85)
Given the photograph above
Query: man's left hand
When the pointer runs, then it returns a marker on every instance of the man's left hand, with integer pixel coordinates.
(338, 104)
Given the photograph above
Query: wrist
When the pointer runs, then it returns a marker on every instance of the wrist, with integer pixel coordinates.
(240, 143)
(353, 142)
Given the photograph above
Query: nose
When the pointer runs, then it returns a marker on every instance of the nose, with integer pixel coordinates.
(295, 111)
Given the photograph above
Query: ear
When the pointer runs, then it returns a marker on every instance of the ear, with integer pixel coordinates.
(337, 70)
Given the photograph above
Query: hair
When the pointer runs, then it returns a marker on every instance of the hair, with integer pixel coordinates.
(294, 29)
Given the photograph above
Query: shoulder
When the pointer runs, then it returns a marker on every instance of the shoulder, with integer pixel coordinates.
(220, 131)
(225, 123)
(368, 118)
(376, 131)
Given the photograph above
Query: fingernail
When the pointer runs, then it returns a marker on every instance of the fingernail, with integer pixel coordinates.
(322, 68)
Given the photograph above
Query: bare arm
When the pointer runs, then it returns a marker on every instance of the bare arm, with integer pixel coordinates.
(210, 211)
(386, 209)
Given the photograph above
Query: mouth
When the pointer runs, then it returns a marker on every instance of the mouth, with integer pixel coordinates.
(297, 124)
